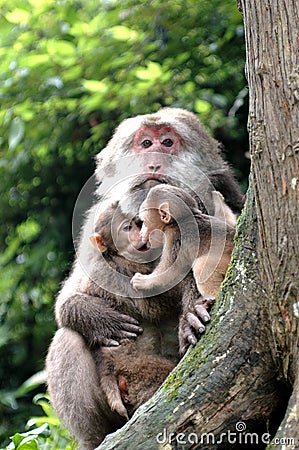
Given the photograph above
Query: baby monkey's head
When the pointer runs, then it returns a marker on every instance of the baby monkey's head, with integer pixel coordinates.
(164, 206)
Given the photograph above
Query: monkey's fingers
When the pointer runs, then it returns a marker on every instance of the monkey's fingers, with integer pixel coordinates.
(134, 284)
(127, 328)
(183, 349)
(186, 338)
(128, 319)
(122, 326)
(195, 323)
(190, 325)
(202, 313)
(110, 343)
(129, 325)
(120, 336)
(127, 335)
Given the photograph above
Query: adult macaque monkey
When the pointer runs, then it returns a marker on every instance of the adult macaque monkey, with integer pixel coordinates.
(170, 147)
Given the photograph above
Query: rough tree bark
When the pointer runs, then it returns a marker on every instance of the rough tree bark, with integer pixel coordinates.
(272, 39)
(242, 379)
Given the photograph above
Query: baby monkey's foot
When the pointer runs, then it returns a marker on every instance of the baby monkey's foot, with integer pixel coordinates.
(192, 322)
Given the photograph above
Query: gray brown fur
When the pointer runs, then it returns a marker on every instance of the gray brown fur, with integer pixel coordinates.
(130, 374)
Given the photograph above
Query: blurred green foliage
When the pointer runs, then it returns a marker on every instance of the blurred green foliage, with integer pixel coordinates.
(70, 71)
(46, 431)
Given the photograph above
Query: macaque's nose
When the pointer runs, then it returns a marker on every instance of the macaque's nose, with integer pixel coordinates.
(154, 167)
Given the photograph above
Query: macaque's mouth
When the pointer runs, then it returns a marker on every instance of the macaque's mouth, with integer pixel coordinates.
(153, 181)
(157, 177)
(143, 248)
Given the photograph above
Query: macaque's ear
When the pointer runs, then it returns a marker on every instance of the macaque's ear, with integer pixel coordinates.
(164, 212)
(98, 242)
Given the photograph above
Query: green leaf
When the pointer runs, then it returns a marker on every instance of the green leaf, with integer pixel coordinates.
(28, 230)
(92, 103)
(18, 16)
(73, 73)
(122, 33)
(16, 132)
(32, 383)
(153, 72)
(38, 421)
(28, 443)
(37, 4)
(43, 430)
(95, 86)
(17, 438)
(34, 60)
(61, 48)
(46, 407)
(202, 106)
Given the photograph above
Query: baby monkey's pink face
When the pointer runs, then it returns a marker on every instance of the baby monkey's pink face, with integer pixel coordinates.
(127, 238)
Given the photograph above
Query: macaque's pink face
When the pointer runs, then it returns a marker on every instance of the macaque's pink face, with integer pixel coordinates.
(161, 139)
(154, 142)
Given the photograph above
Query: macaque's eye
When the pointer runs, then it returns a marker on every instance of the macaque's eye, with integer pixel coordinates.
(127, 227)
(146, 143)
(167, 143)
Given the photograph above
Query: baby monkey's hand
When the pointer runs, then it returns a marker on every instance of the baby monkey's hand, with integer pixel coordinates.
(140, 281)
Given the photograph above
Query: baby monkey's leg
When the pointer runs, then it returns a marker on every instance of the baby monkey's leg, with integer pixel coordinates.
(209, 272)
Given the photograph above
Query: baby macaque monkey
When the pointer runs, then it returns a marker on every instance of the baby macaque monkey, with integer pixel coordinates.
(205, 247)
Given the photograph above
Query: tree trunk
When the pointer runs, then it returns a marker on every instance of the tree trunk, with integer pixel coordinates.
(233, 388)
(272, 41)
